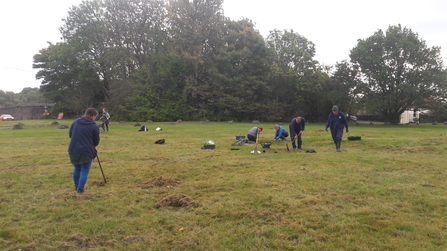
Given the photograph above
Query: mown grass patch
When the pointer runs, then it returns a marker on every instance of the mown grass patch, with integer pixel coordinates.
(384, 192)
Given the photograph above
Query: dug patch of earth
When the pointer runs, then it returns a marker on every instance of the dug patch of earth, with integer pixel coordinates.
(98, 183)
(160, 182)
(177, 200)
(82, 241)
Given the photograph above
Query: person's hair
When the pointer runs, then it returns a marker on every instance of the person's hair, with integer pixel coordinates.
(276, 126)
(105, 109)
(90, 112)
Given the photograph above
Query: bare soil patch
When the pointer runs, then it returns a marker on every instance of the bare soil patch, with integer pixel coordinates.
(160, 182)
(83, 241)
(98, 183)
(177, 200)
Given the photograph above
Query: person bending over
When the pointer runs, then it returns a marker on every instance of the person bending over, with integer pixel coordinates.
(253, 133)
(281, 133)
(296, 127)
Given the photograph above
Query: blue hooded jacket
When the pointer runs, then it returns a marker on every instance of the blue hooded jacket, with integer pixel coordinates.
(279, 132)
(84, 134)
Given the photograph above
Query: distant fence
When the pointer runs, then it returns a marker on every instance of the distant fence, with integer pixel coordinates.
(23, 112)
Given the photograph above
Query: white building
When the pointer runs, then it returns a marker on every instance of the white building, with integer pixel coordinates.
(411, 115)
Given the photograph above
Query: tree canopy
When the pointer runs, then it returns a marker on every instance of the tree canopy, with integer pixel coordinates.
(396, 70)
(167, 60)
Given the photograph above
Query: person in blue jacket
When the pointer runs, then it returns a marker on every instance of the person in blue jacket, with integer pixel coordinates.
(281, 133)
(84, 135)
(337, 122)
(296, 127)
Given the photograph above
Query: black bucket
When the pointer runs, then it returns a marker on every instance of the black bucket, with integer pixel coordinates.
(266, 145)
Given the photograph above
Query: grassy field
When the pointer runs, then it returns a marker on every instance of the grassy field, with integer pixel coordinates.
(384, 192)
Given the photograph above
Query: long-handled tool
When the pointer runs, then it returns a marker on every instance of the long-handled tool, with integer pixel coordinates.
(255, 151)
(296, 139)
(100, 167)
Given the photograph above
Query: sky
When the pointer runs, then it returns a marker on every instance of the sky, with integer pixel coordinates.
(334, 26)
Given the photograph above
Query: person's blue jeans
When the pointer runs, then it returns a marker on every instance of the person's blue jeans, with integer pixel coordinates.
(80, 175)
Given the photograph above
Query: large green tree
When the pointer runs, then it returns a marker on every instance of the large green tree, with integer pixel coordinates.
(177, 59)
(343, 89)
(196, 34)
(295, 78)
(397, 70)
(68, 81)
(239, 74)
(116, 41)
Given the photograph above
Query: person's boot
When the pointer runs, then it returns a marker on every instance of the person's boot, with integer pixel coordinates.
(338, 146)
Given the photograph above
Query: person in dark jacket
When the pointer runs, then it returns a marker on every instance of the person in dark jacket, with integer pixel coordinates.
(337, 122)
(253, 133)
(84, 135)
(296, 127)
(281, 133)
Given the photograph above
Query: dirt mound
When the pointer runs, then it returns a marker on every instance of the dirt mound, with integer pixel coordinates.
(159, 182)
(98, 183)
(82, 241)
(176, 200)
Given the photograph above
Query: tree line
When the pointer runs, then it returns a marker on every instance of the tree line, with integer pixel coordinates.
(183, 59)
(27, 95)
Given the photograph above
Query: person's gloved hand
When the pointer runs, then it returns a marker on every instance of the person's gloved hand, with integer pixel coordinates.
(326, 129)
(347, 130)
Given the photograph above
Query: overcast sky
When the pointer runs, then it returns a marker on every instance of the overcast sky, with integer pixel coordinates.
(334, 26)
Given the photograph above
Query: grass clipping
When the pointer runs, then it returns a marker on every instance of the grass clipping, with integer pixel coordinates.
(176, 200)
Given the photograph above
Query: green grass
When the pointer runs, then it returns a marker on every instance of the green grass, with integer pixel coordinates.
(384, 192)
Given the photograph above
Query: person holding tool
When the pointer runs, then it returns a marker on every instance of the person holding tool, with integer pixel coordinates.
(84, 135)
(296, 130)
(105, 119)
(337, 121)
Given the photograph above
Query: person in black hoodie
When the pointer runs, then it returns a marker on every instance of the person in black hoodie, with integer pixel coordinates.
(296, 127)
(84, 135)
